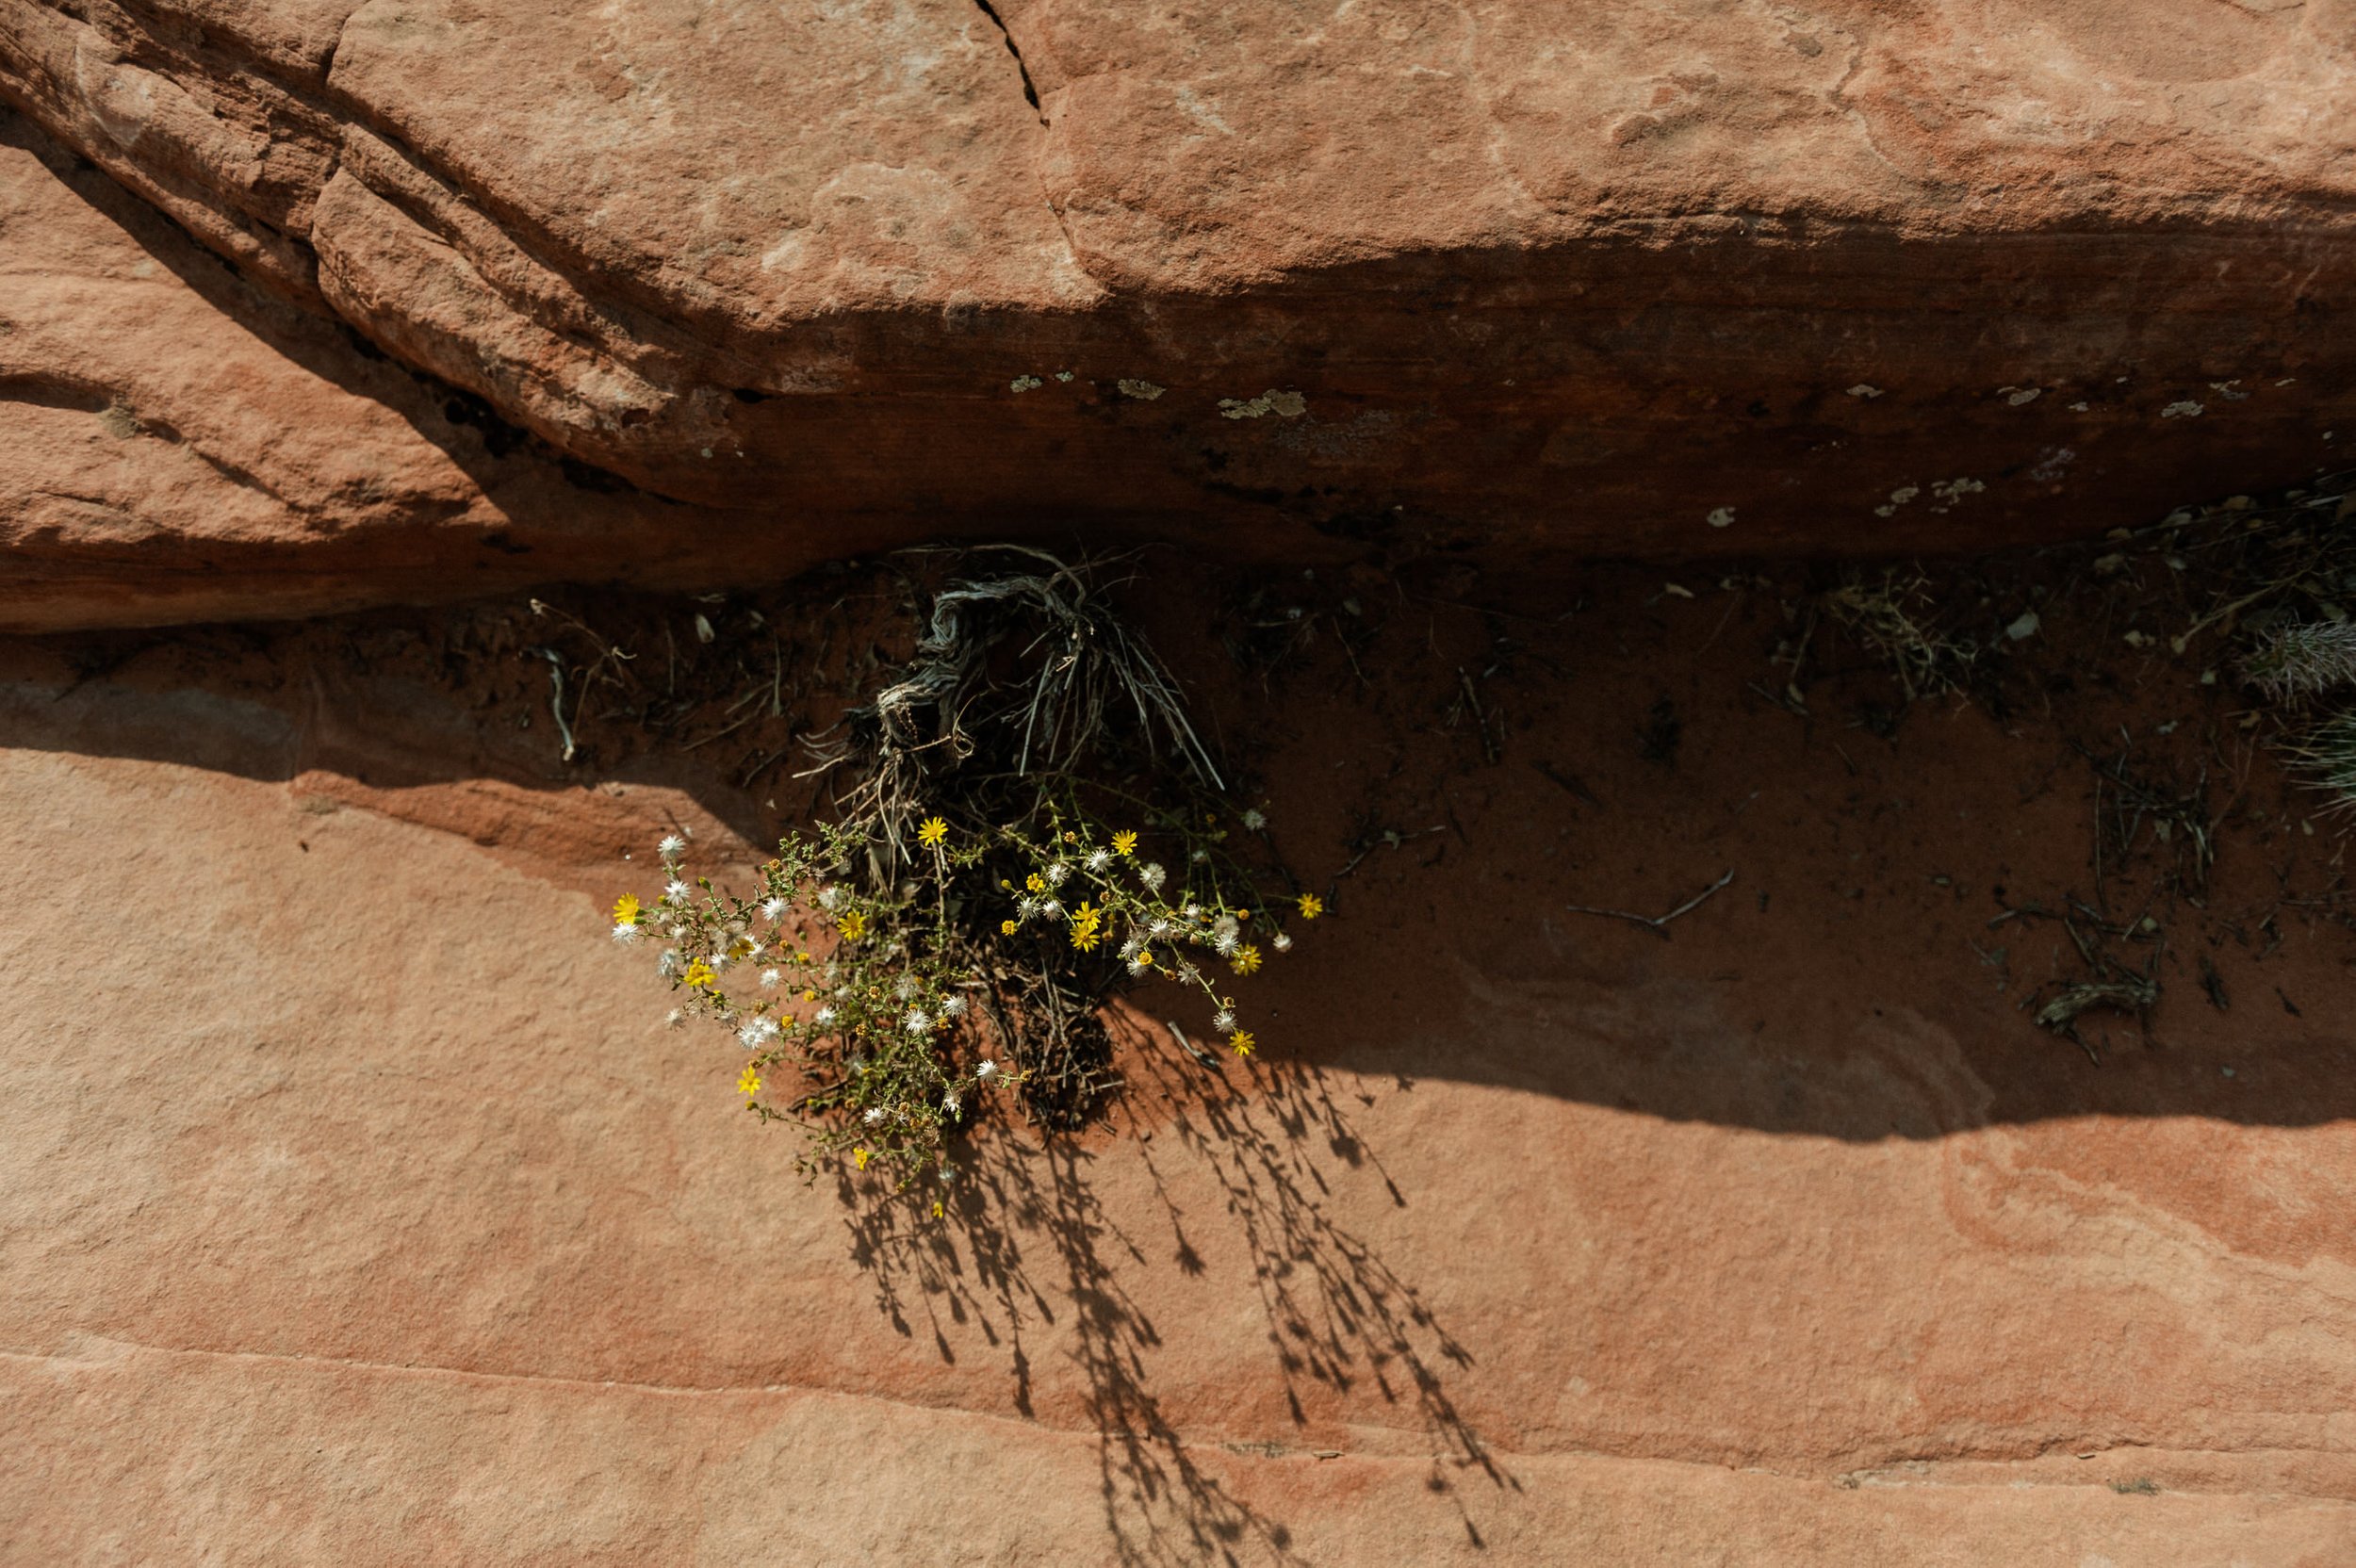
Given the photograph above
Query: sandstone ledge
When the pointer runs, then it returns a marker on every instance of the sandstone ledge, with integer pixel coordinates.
(1543, 279)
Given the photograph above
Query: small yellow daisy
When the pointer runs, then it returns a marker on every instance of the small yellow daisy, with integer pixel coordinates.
(1243, 1042)
(853, 926)
(860, 1156)
(1005, 928)
(932, 832)
(748, 1085)
(1247, 959)
(699, 974)
(625, 909)
(1125, 842)
(1311, 905)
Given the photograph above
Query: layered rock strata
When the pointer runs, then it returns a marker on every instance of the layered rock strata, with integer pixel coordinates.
(1653, 277)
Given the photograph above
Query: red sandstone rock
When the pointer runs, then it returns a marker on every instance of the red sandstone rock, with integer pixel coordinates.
(355, 1204)
(1544, 277)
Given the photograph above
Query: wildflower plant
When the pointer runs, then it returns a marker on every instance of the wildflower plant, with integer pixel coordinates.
(1026, 824)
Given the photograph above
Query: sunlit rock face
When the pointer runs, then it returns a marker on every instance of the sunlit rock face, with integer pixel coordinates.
(1533, 278)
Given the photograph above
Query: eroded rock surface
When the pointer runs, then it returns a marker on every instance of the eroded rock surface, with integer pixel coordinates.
(1551, 277)
(356, 1205)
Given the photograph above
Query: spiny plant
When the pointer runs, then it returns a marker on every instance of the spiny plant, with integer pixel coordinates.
(1026, 822)
(2325, 757)
(2290, 663)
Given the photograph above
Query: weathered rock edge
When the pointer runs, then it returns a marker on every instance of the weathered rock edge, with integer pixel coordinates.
(1528, 278)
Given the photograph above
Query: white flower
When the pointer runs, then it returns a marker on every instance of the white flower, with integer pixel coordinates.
(949, 1103)
(1200, 855)
(676, 891)
(987, 1070)
(823, 1016)
(674, 1018)
(906, 988)
(626, 933)
(1051, 909)
(1056, 872)
(1129, 948)
(1151, 873)
(1223, 1021)
(830, 897)
(918, 1021)
(719, 960)
(1025, 907)
(667, 965)
(1140, 963)
(1253, 821)
(756, 1034)
(1282, 941)
(1099, 859)
(769, 978)
(1192, 911)
(670, 846)
(948, 1173)
(874, 1116)
(1160, 927)
(954, 1006)
(1227, 942)
(775, 908)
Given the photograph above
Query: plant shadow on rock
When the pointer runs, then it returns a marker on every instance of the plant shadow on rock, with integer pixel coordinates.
(1339, 1317)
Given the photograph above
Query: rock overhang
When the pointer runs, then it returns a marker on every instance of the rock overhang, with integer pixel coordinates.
(1650, 278)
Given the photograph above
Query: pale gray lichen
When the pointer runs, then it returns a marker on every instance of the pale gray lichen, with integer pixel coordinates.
(1023, 383)
(1145, 391)
(1284, 405)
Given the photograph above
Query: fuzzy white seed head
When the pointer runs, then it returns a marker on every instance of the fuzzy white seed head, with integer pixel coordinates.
(918, 1021)
(949, 1104)
(1151, 873)
(1192, 911)
(823, 1016)
(1025, 909)
(626, 933)
(1223, 1021)
(1227, 942)
(775, 908)
(1253, 821)
(1200, 855)
(830, 898)
(671, 847)
(987, 1070)
(674, 1018)
(874, 1116)
(1282, 941)
(1099, 859)
(1140, 962)
(676, 891)
(906, 988)
(769, 978)
(1051, 909)
(756, 1034)
(1159, 927)
(667, 965)
(954, 1006)
(1056, 872)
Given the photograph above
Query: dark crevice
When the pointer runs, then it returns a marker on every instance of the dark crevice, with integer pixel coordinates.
(1030, 92)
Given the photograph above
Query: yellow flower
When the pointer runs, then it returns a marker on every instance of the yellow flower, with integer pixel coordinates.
(699, 974)
(625, 909)
(1085, 940)
(1124, 842)
(749, 1085)
(936, 1208)
(1005, 928)
(1085, 935)
(1247, 959)
(1145, 957)
(809, 994)
(853, 926)
(1036, 883)
(1311, 905)
(932, 832)
(1243, 1042)
(860, 1156)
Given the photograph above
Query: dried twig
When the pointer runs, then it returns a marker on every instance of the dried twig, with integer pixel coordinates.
(1656, 925)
